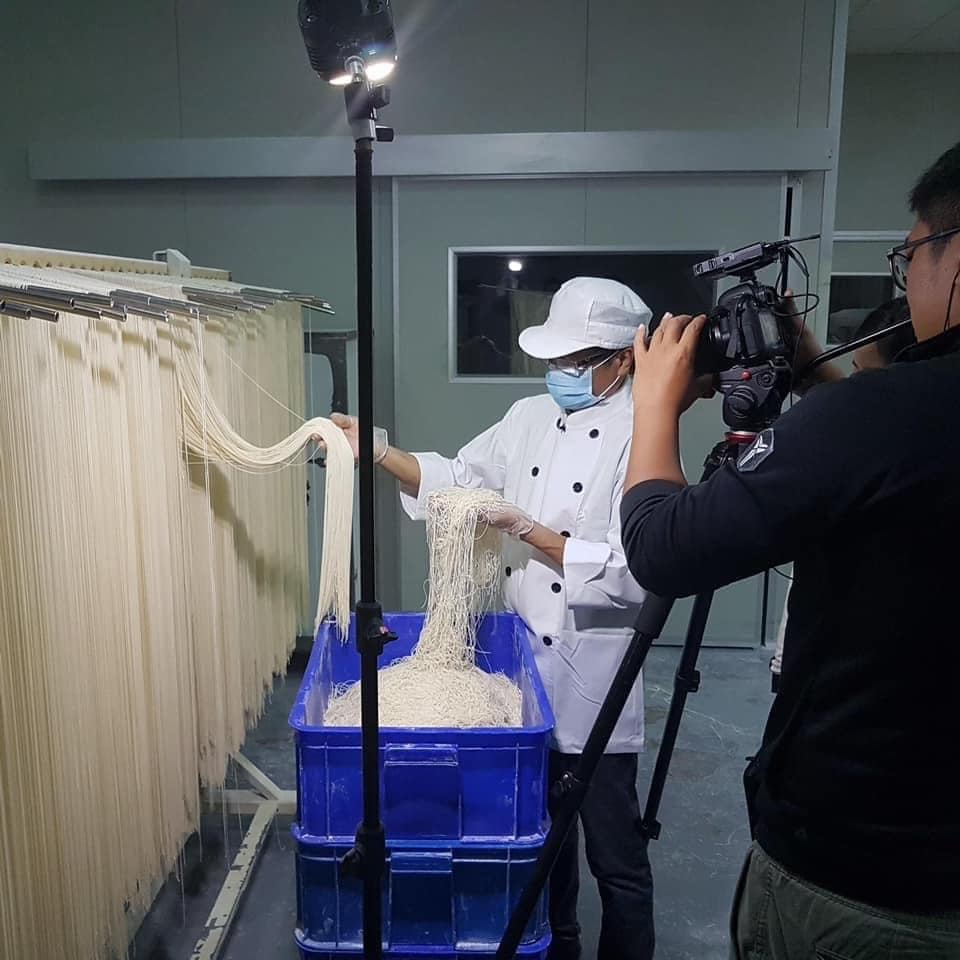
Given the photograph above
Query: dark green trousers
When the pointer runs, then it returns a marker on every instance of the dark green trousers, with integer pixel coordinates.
(777, 916)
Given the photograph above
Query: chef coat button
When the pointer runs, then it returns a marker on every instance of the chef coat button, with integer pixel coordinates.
(555, 587)
(548, 641)
(508, 571)
(564, 533)
(577, 487)
(594, 433)
(535, 471)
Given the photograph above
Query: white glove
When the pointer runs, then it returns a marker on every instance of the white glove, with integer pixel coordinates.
(511, 520)
(351, 429)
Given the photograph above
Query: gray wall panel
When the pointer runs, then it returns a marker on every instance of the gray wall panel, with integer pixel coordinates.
(245, 72)
(702, 65)
(489, 65)
(862, 256)
(813, 96)
(900, 113)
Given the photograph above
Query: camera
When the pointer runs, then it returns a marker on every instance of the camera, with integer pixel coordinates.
(749, 340)
(750, 324)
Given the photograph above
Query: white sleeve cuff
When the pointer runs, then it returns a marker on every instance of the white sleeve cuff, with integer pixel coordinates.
(436, 473)
(583, 562)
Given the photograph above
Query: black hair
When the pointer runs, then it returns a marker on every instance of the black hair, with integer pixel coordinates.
(887, 314)
(936, 197)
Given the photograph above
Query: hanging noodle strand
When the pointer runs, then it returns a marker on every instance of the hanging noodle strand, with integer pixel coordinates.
(208, 435)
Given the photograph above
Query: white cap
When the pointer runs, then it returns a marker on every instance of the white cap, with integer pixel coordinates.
(586, 312)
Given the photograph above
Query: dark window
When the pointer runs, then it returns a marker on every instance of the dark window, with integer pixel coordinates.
(498, 294)
(852, 297)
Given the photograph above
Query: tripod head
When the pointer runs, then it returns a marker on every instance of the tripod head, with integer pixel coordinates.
(753, 396)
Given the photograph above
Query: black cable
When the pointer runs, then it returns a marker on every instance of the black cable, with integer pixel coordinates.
(799, 259)
(863, 341)
(953, 288)
(741, 308)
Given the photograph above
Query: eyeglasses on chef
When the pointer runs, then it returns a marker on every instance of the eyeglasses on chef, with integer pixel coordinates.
(580, 366)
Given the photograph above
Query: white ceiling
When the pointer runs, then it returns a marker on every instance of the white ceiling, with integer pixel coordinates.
(904, 26)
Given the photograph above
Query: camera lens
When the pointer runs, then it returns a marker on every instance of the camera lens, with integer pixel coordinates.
(712, 346)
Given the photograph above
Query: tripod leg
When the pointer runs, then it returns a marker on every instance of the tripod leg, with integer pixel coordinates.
(650, 622)
(764, 608)
(686, 681)
(573, 787)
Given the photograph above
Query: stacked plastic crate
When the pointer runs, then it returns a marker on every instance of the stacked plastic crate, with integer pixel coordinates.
(464, 810)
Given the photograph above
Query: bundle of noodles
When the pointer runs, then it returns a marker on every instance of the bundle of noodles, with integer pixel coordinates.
(439, 685)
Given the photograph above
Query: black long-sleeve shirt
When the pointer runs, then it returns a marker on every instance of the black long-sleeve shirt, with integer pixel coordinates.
(859, 485)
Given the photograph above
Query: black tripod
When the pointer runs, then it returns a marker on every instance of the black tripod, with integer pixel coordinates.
(572, 787)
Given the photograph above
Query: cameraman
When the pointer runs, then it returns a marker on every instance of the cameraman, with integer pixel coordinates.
(857, 818)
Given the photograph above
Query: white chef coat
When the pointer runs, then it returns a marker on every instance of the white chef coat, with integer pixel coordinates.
(567, 472)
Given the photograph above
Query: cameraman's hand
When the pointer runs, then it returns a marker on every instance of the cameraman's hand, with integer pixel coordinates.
(663, 366)
(663, 387)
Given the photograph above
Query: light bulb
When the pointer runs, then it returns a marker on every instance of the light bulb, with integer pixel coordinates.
(515, 266)
(376, 71)
(379, 70)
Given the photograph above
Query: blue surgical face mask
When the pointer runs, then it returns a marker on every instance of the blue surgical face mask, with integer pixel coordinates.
(574, 391)
(571, 391)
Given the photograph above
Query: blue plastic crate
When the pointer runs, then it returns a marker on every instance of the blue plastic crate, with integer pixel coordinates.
(533, 951)
(484, 785)
(437, 900)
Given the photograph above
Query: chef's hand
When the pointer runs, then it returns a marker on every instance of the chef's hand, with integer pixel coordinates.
(519, 525)
(511, 520)
(663, 366)
(351, 430)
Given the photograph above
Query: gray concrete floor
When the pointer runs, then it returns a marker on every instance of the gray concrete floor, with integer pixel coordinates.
(695, 863)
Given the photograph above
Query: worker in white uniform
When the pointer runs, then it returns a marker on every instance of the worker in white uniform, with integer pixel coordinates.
(559, 460)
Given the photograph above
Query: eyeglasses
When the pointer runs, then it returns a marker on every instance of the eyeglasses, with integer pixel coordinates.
(580, 367)
(899, 257)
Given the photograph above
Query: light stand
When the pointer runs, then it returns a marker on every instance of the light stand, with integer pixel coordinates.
(368, 856)
(350, 42)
